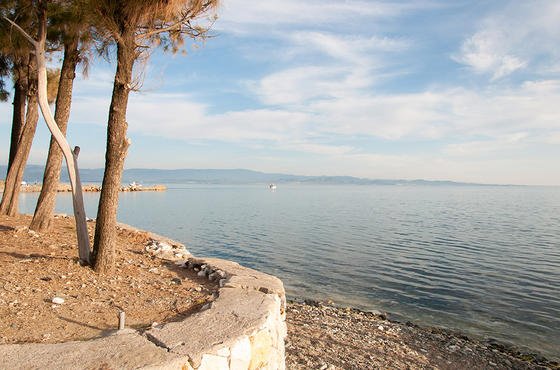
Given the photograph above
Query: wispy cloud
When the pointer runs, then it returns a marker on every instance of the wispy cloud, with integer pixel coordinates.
(521, 35)
(236, 16)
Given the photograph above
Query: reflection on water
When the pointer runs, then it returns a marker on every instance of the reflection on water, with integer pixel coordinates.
(485, 260)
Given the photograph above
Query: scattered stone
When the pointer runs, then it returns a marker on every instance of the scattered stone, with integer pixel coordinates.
(220, 273)
(57, 300)
(320, 335)
(164, 250)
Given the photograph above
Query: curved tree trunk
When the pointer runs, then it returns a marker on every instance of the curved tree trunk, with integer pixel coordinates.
(44, 211)
(18, 118)
(10, 197)
(104, 244)
(70, 156)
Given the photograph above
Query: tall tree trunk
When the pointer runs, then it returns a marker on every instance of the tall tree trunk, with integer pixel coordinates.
(10, 197)
(104, 244)
(18, 117)
(43, 215)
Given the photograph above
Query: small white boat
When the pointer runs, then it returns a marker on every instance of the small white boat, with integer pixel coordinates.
(272, 186)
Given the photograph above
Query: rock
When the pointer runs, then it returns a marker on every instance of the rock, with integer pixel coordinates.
(380, 327)
(212, 362)
(224, 352)
(57, 300)
(240, 354)
(164, 250)
(201, 273)
(261, 348)
(176, 281)
(220, 273)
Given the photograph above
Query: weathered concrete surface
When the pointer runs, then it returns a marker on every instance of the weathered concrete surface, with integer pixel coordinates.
(129, 350)
(234, 314)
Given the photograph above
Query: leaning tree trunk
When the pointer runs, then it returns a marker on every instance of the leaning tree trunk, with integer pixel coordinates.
(18, 117)
(42, 218)
(104, 244)
(70, 156)
(10, 197)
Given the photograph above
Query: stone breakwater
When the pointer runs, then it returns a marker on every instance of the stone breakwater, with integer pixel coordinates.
(242, 328)
(64, 188)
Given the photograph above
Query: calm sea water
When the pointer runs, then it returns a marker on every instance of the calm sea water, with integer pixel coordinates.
(484, 260)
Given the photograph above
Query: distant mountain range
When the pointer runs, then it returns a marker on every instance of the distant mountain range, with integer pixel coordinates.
(34, 173)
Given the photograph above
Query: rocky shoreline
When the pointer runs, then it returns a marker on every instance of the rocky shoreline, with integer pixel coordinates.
(323, 336)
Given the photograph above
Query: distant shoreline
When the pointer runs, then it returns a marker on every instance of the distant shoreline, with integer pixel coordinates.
(34, 173)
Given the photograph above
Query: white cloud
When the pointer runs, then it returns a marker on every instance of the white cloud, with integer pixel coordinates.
(300, 84)
(237, 16)
(350, 48)
(486, 52)
(484, 147)
(522, 36)
(177, 117)
(340, 66)
(492, 120)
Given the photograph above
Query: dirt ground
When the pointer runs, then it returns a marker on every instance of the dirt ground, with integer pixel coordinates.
(35, 269)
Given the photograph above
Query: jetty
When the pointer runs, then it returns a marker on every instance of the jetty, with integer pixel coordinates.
(64, 188)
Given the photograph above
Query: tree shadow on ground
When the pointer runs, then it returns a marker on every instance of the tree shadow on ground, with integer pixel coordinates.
(31, 256)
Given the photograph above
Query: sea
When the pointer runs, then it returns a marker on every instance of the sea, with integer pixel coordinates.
(484, 260)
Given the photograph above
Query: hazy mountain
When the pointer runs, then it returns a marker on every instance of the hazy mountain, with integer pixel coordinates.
(34, 173)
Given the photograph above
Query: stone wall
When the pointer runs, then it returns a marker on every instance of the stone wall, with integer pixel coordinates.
(243, 328)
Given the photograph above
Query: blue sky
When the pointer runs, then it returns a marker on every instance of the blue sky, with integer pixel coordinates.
(448, 90)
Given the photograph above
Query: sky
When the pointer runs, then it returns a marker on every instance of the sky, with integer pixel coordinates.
(439, 90)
